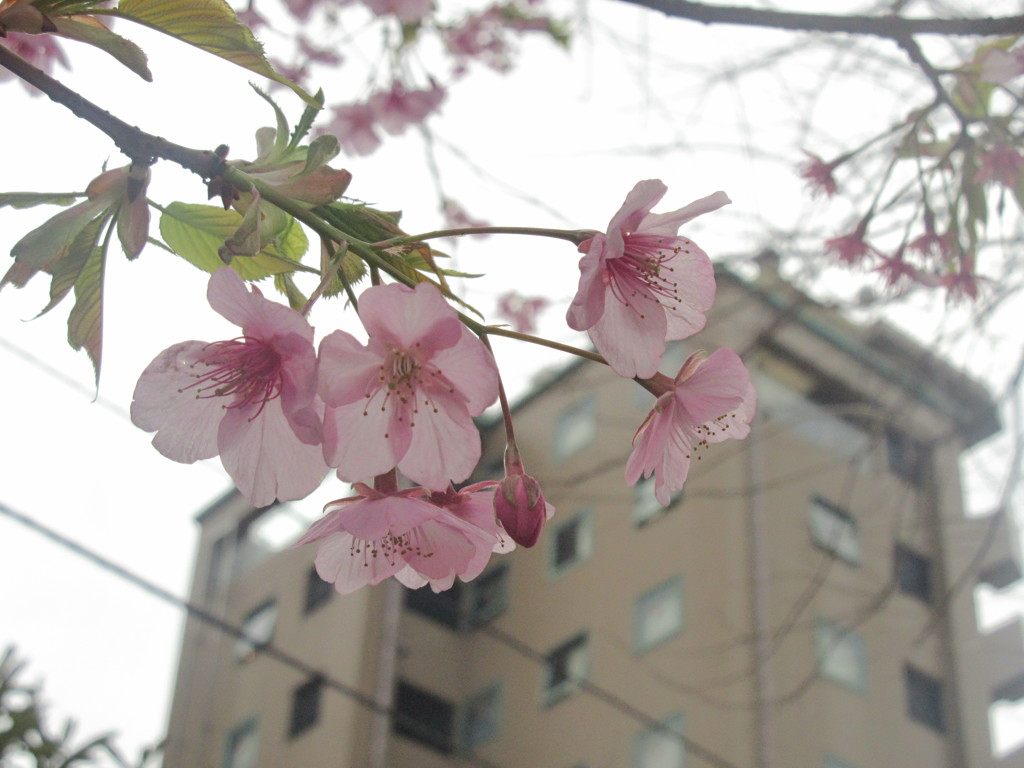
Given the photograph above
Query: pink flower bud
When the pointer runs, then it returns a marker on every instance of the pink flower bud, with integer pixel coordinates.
(521, 508)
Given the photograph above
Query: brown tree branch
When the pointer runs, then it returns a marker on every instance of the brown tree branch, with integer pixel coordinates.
(888, 26)
(141, 147)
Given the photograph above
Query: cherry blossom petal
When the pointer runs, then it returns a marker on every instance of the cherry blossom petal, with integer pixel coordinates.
(472, 365)
(669, 223)
(696, 294)
(348, 370)
(637, 205)
(716, 388)
(185, 426)
(345, 562)
(409, 317)
(446, 426)
(372, 519)
(356, 440)
(588, 304)
(256, 315)
(264, 459)
(441, 549)
(632, 337)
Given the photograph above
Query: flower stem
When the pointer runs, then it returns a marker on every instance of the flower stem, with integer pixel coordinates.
(575, 236)
(483, 330)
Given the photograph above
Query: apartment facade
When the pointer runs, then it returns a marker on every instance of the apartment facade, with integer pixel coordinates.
(808, 601)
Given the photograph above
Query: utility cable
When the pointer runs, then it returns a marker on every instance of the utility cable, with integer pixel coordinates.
(608, 697)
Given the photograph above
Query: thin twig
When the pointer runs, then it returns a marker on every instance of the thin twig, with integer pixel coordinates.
(887, 26)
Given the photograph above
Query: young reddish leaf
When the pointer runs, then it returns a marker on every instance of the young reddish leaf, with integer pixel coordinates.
(67, 269)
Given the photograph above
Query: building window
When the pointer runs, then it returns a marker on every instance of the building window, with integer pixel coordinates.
(834, 530)
(913, 573)
(658, 614)
(566, 667)
(575, 428)
(242, 749)
(571, 543)
(257, 631)
(661, 747)
(481, 717)
(318, 591)
(905, 456)
(841, 655)
(924, 699)
(424, 717)
(487, 596)
(305, 706)
(646, 507)
(467, 605)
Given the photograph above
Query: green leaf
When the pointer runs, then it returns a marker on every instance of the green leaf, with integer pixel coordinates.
(85, 322)
(30, 199)
(122, 49)
(196, 233)
(210, 25)
(306, 121)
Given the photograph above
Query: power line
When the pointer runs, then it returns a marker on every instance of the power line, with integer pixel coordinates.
(290, 660)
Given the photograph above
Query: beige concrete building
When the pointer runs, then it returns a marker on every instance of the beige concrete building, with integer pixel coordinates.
(808, 602)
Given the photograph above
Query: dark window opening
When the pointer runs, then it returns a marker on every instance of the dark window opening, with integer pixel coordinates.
(305, 706)
(566, 667)
(913, 573)
(424, 717)
(318, 591)
(567, 543)
(906, 456)
(924, 699)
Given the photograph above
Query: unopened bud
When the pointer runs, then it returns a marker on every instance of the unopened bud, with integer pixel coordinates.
(521, 509)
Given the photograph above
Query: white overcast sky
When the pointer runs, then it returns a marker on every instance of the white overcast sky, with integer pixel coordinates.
(107, 651)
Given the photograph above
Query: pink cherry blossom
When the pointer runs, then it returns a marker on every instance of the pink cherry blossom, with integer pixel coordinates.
(409, 11)
(408, 397)
(251, 399)
(641, 284)
(896, 272)
(366, 538)
(40, 50)
(711, 399)
(355, 125)
(521, 311)
(1003, 163)
(456, 217)
(818, 175)
(398, 107)
(850, 248)
(473, 504)
(1000, 66)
